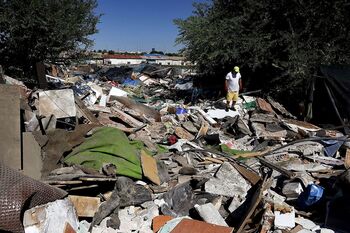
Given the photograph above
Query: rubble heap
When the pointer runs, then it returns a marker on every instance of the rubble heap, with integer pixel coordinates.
(119, 150)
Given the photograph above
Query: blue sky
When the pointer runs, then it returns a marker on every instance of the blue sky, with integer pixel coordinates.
(140, 25)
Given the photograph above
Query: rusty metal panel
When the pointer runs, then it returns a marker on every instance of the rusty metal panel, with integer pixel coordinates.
(19, 193)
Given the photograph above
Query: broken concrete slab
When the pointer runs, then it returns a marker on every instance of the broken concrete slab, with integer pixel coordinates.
(261, 132)
(137, 219)
(57, 102)
(236, 202)
(210, 214)
(227, 182)
(292, 190)
(52, 217)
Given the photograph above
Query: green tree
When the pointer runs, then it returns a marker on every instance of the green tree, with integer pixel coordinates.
(281, 42)
(36, 30)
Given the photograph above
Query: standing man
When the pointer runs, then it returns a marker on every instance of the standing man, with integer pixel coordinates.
(233, 84)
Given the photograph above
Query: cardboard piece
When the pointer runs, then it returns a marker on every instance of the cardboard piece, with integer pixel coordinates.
(85, 206)
(149, 167)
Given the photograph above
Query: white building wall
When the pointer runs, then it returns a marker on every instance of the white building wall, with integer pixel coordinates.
(124, 61)
(167, 62)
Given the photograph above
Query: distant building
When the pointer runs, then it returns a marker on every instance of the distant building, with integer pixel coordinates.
(121, 59)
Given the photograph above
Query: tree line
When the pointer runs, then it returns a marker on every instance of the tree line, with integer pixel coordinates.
(33, 31)
(278, 44)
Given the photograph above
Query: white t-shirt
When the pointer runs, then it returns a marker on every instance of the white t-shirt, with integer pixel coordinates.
(233, 81)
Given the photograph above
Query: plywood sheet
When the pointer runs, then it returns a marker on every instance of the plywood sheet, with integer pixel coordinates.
(149, 167)
(10, 131)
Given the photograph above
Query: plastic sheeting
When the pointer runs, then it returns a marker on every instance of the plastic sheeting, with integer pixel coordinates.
(108, 146)
(19, 193)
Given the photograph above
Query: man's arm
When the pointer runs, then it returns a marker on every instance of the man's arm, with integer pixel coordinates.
(226, 85)
(240, 84)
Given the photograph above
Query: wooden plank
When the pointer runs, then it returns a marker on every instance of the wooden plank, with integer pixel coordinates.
(85, 111)
(32, 161)
(149, 167)
(63, 182)
(252, 154)
(98, 179)
(10, 129)
(214, 160)
(347, 159)
(207, 117)
(139, 107)
(203, 130)
(183, 134)
(126, 118)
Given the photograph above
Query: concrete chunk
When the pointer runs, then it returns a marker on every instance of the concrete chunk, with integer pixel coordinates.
(227, 182)
(52, 217)
(292, 190)
(210, 214)
(57, 102)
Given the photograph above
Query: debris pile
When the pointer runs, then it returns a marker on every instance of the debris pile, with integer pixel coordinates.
(119, 149)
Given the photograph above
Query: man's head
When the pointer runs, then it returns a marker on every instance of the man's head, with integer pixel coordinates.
(236, 69)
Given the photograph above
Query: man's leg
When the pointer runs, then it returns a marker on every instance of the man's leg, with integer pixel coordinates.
(229, 98)
(234, 100)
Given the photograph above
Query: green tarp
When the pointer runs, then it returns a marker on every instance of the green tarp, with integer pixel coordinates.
(109, 145)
